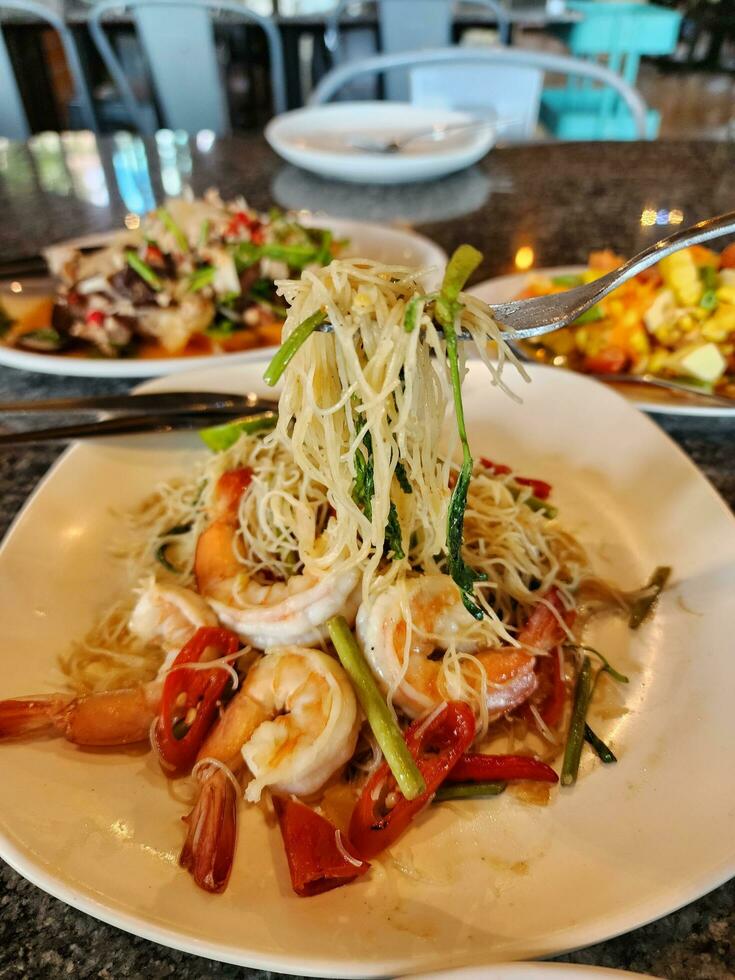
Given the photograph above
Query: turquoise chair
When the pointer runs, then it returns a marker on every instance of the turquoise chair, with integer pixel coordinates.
(614, 34)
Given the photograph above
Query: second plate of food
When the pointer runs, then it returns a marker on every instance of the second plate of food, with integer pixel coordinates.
(675, 323)
(474, 880)
(192, 286)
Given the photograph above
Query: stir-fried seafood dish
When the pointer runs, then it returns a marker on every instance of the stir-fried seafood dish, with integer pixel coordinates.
(332, 619)
(195, 277)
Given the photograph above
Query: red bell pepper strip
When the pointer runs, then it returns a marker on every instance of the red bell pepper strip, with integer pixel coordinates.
(541, 488)
(315, 860)
(190, 699)
(436, 748)
(477, 768)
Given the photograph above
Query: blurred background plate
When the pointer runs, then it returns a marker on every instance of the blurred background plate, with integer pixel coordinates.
(394, 246)
(319, 139)
(501, 289)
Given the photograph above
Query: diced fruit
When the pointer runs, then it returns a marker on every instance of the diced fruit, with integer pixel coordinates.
(726, 294)
(680, 274)
(609, 361)
(661, 310)
(702, 361)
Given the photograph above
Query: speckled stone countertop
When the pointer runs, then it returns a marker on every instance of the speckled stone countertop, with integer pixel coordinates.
(561, 201)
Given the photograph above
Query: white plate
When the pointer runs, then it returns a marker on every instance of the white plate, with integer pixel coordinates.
(490, 881)
(317, 138)
(366, 239)
(504, 288)
(533, 971)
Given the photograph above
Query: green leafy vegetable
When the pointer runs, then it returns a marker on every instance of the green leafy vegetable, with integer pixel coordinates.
(220, 329)
(606, 665)
(220, 437)
(461, 266)
(568, 280)
(604, 752)
(393, 534)
(143, 269)
(201, 278)
(642, 605)
(285, 353)
(46, 339)
(171, 226)
(387, 733)
(402, 477)
(247, 254)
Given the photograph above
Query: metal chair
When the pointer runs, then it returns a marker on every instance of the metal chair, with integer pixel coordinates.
(13, 120)
(507, 57)
(178, 40)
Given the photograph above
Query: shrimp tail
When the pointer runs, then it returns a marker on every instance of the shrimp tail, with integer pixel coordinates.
(40, 715)
(209, 848)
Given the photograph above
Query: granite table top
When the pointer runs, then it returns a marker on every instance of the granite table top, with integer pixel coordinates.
(560, 200)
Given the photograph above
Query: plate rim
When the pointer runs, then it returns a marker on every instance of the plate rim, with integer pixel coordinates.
(572, 938)
(656, 408)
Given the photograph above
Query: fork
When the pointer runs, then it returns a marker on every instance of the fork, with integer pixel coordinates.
(524, 318)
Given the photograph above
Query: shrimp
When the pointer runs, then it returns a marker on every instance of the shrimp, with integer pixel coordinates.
(169, 615)
(439, 620)
(264, 615)
(104, 719)
(293, 723)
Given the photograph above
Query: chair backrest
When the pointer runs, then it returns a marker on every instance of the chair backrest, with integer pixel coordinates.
(512, 93)
(178, 39)
(13, 121)
(503, 57)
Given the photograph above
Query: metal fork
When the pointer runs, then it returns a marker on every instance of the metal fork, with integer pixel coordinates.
(544, 314)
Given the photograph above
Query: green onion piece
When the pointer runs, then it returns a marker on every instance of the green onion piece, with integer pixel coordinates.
(387, 733)
(221, 329)
(708, 300)
(143, 269)
(171, 226)
(402, 477)
(415, 310)
(575, 738)
(642, 606)
(5, 321)
(204, 232)
(324, 256)
(45, 338)
(201, 278)
(469, 791)
(535, 503)
(606, 665)
(461, 265)
(604, 752)
(295, 256)
(708, 276)
(285, 353)
(220, 437)
(568, 280)
(592, 315)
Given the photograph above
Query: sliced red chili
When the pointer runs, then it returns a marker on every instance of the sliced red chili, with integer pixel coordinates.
(497, 469)
(190, 699)
(382, 813)
(318, 856)
(96, 317)
(477, 768)
(541, 488)
(154, 255)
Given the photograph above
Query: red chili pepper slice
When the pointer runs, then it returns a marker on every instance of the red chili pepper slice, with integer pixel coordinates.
(541, 488)
(315, 860)
(477, 768)
(190, 698)
(436, 748)
(96, 317)
(154, 255)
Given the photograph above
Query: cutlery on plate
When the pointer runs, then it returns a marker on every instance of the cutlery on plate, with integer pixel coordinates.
(123, 425)
(525, 318)
(434, 133)
(168, 403)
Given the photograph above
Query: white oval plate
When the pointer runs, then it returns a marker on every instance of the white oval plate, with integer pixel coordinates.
(504, 288)
(317, 138)
(395, 246)
(484, 882)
